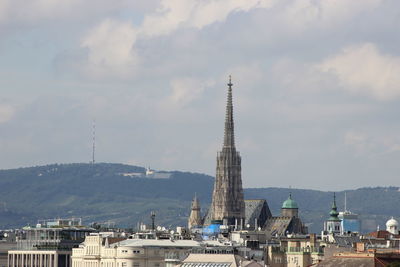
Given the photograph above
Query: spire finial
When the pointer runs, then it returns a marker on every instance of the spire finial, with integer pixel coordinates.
(230, 81)
(334, 201)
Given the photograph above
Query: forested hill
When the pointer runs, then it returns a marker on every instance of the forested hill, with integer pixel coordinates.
(111, 192)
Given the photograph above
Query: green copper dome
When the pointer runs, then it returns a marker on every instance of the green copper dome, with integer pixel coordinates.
(333, 214)
(289, 203)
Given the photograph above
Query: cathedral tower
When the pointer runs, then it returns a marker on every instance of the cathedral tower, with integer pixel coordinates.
(227, 201)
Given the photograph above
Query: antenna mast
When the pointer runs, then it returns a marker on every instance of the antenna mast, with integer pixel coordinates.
(94, 141)
(345, 201)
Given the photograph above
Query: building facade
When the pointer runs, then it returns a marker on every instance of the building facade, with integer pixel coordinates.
(100, 251)
(48, 244)
(350, 223)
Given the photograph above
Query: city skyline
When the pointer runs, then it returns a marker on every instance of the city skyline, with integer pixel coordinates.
(316, 87)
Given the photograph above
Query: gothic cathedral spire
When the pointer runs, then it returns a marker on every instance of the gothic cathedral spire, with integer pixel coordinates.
(228, 202)
(229, 135)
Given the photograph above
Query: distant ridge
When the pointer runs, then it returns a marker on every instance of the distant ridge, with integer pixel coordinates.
(98, 192)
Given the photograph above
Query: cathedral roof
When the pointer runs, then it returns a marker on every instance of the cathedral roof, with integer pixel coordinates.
(254, 209)
(289, 203)
(277, 226)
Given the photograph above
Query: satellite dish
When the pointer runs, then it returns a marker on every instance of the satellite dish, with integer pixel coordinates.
(172, 232)
(159, 228)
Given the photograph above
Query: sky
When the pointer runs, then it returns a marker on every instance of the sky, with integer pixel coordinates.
(316, 86)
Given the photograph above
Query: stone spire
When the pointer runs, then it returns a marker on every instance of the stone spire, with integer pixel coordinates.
(229, 135)
(195, 218)
(227, 202)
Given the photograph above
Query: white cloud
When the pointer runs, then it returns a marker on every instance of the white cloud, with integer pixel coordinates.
(110, 48)
(300, 14)
(358, 140)
(364, 69)
(111, 44)
(194, 13)
(186, 90)
(6, 112)
(372, 144)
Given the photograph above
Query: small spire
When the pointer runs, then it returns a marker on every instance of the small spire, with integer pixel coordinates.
(334, 199)
(334, 213)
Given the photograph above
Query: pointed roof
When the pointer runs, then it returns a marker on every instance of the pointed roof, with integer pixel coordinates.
(195, 203)
(334, 213)
(229, 136)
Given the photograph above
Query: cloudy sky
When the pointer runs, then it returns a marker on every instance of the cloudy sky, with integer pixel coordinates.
(316, 86)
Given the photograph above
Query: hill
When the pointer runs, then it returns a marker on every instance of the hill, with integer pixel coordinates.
(104, 191)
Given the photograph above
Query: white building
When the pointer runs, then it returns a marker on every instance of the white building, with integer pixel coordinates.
(100, 251)
(392, 226)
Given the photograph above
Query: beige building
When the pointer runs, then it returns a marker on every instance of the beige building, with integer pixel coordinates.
(100, 251)
(294, 252)
(32, 258)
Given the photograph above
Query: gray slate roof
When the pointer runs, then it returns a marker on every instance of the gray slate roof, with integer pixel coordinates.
(277, 225)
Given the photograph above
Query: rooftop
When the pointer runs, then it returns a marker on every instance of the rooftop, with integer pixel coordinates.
(289, 203)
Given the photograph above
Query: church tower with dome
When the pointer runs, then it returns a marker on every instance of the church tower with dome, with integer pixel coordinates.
(333, 224)
(288, 223)
(290, 208)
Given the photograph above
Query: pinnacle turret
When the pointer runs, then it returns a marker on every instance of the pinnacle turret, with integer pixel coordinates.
(195, 217)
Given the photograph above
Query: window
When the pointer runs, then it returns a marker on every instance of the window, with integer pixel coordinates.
(136, 251)
(136, 264)
(124, 264)
(124, 251)
(157, 264)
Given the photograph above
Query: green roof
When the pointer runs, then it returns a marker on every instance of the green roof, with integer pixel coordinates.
(333, 214)
(289, 203)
